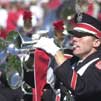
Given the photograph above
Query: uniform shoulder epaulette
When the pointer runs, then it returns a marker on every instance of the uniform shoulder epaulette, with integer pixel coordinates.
(98, 64)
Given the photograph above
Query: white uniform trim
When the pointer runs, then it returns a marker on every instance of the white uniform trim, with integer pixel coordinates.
(84, 68)
(79, 29)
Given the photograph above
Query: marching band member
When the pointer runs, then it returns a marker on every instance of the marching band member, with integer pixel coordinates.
(83, 77)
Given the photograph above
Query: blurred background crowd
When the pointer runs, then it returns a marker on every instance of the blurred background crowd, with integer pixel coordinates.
(30, 16)
(44, 13)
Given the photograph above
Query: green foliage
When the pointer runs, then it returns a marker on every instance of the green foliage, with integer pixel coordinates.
(12, 36)
(2, 44)
(13, 63)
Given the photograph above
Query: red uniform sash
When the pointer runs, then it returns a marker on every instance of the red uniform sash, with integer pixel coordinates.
(41, 62)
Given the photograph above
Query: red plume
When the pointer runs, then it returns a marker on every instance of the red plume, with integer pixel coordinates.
(58, 25)
(27, 15)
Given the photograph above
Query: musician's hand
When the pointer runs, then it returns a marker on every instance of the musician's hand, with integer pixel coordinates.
(48, 45)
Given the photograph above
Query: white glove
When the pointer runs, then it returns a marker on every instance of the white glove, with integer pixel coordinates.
(48, 45)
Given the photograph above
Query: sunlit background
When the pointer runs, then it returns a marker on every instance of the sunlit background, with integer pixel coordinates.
(44, 12)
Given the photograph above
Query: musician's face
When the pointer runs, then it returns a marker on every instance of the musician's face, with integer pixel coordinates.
(28, 23)
(85, 45)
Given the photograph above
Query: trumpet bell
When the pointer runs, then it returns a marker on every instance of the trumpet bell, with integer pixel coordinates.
(14, 80)
(13, 71)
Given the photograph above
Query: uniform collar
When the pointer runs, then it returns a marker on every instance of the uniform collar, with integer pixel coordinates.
(81, 63)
